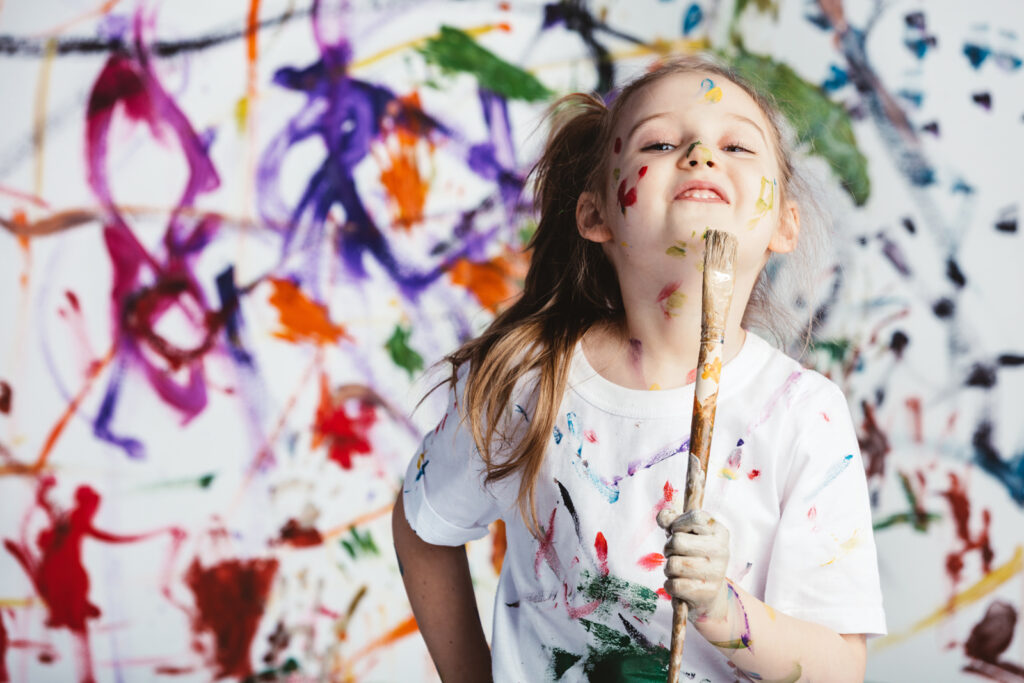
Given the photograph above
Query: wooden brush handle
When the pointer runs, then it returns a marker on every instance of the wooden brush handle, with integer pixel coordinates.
(719, 255)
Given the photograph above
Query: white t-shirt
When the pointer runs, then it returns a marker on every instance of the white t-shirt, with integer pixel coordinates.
(785, 477)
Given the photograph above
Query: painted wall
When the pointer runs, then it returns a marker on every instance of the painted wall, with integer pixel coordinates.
(235, 234)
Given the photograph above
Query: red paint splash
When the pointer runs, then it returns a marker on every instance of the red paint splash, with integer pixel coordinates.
(230, 598)
(691, 376)
(582, 610)
(546, 549)
(347, 435)
(825, 416)
(651, 562)
(601, 548)
(590, 435)
(618, 145)
(874, 444)
(298, 536)
(666, 499)
(753, 474)
(663, 594)
(960, 506)
(6, 397)
(667, 291)
(57, 571)
(643, 171)
(626, 198)
(914, 406)
(4, 675)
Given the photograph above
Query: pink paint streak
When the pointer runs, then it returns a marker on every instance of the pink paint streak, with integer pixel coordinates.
(589, 435)
(546, 550)
(581, 611)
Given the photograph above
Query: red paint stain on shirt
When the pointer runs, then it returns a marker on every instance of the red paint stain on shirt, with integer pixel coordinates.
(652, 561)
(825, 415)
(753, 474)
(663, 594)
(4, 675)
(230, 598)
(601, 548)
(590, 436)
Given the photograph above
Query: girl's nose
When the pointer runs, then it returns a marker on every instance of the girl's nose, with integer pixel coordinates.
(697, 154)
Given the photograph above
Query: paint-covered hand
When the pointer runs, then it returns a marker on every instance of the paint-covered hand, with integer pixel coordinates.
(696, 557)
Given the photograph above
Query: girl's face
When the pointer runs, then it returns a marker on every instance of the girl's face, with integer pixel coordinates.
(691, 151)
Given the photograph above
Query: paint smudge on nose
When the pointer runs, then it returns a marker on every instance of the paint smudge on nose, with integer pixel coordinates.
(301, 318)
(230, 598)
(712, 93)
(677, 250)
(618, 145)
(670, 299)
(765, 201)
(693, 145)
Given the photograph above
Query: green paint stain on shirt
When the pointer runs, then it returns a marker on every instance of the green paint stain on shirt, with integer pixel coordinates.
(455, 51)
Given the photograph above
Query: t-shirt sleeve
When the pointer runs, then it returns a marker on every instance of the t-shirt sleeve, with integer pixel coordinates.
(445, 499)
(824, 566)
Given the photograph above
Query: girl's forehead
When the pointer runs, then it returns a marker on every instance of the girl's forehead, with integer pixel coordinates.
(691, 92)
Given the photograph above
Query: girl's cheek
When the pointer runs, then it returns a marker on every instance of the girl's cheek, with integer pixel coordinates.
(626, 195)
(765, 201)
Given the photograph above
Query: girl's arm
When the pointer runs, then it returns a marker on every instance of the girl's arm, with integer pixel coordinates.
(764, 644)
(440, 591)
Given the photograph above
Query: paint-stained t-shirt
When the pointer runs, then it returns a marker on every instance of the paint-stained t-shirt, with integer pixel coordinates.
(586, 601)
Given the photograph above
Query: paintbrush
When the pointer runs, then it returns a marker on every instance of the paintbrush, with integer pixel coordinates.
(719, 260)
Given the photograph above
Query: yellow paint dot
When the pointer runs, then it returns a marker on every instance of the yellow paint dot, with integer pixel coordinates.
(713, 95)
(655, 387)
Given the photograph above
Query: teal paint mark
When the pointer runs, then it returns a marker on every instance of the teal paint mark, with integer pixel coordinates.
(455, 51)
(401, 353)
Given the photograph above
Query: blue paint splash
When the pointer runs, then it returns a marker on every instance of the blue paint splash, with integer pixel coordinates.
(830, 476)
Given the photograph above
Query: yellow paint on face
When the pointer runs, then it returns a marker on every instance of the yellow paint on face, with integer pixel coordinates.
(678, 250)
(712, 93)
(765, 201)
(655, 387)
(616, 173)
(674, 302)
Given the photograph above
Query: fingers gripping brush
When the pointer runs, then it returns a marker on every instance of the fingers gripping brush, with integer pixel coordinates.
(719, 260)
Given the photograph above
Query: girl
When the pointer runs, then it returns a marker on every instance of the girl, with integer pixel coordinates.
(569, 418)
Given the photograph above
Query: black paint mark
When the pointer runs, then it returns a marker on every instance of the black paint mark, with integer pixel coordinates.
(572, 510)
(1007, 220)
(944, 308)
(954, 273)
(909, 225)
(932, 127)
(898, 343)
(915, 20)
(983, 376)
(1010, 360)
(635, 634)
(984, 99)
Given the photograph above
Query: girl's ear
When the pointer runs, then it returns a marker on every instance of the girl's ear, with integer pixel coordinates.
(589, 220)
(787, 233)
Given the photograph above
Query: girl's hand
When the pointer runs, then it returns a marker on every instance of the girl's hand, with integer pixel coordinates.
(697, 554)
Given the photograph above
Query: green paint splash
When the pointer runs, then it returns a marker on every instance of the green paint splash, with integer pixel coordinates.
(612, 591)
(562, 661)
(455, 51)
(359, 544)
(678, 250)
(401, 353)
(691, 147)
(821, 124)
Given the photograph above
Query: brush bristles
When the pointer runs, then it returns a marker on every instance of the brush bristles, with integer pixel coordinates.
(719, 251)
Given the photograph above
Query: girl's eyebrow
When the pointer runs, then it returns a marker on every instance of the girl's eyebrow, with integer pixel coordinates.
(642, 122)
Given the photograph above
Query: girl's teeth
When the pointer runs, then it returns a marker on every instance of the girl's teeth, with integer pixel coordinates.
(701, 194)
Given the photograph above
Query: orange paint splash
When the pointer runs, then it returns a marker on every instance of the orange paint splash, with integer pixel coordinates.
(492, 282)
(302, 319)
(401, 174)
(406, 628)
(651, 562)
(499, 543)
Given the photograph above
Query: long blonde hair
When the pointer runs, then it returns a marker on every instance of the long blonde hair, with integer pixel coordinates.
(570, 284)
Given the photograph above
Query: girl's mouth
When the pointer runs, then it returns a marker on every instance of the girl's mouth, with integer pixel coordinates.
(701, 191)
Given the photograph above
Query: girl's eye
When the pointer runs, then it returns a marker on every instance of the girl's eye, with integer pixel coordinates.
(736, 148)
(658, 147)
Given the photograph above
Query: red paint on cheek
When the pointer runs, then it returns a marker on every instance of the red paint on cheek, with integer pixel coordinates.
(230, 597)
(643, 171)
(618, 145)
(626, 198)
(652, 561)
(668, 290)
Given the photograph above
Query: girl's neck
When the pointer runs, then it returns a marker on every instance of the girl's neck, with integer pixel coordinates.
(652, 350)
